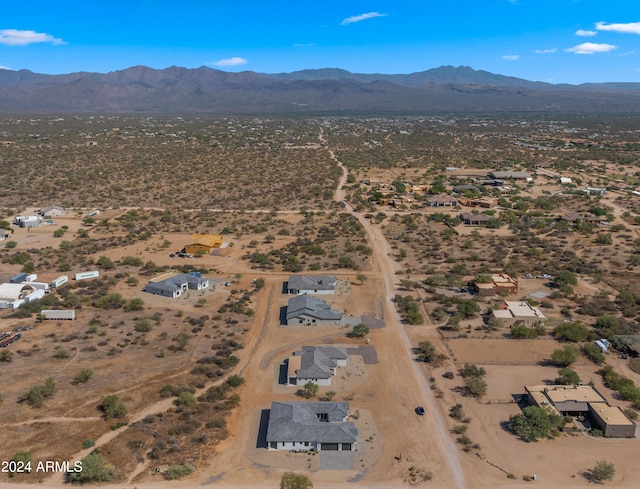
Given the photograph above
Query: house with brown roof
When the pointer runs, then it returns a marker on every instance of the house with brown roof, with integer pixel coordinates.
(499, 283)
(203, 243)
(475, 219)
(442, 201)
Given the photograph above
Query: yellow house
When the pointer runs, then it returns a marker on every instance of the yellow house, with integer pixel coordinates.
(203, 243)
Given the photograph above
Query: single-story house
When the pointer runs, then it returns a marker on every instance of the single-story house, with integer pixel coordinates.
(466, 188)
(316, 364)
(510, 175)
(442, 201)
(203, 243)
(314, 426)
(173, 285)
(52, 211)
(475, 219)
(582, 400)
(519, 311)
(311, 284)
(499, 283)
(597, 191)
(311, 311)
(28, 221)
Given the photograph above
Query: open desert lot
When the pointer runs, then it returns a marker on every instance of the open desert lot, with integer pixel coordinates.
(179, 342)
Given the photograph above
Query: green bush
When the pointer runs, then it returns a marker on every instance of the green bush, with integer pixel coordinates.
(113, 407)
(94, 469)
(358, 331)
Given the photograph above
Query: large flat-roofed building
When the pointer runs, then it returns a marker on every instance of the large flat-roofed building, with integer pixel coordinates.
(519, 311)
(582, 400)
(311, 284)
(613, 422)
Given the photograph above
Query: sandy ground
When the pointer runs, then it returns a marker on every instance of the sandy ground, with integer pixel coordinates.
(386, 394)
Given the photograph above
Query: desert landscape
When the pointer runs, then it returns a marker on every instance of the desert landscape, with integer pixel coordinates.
(420, 220)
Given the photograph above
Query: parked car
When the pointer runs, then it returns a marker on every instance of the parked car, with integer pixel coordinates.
(544, 275)
(172, 255)
(420, 411)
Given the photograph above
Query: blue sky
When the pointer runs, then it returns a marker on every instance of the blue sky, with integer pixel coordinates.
(558, 41)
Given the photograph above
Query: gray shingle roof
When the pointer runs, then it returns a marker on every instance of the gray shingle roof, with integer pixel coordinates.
(315, 363)
(299, 422)
(312, 282)
(310, 306)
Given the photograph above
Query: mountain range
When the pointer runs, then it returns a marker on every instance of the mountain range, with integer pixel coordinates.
(140, 89)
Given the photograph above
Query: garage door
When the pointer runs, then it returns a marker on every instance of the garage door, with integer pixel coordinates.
(328, 446)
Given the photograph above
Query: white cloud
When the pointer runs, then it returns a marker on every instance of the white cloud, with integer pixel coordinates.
(360, 18)
(630, 28)
(545, 51)
(511, 57)
(302, 45)
(14, 37)
(235, 61)
(591, 48)
(5, 68)
(583, 33)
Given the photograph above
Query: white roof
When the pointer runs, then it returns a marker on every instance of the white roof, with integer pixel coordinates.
(11, 292)
(524, 309)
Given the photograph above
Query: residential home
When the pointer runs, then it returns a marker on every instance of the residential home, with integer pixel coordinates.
(52, 211)
(586, 401)
(173, 285)
(519, 312)
(442, 201)
(203, 244)
(317, 426)
(316, 364)
(475, 219)
(510, 175)
(310, 311)
(311, 284)
(499, 283)
(597, 191)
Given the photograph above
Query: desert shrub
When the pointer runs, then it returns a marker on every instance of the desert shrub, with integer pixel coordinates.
(135, 304)
(427, 351)
(567, 376)
(291, 480)
(594, 353)
(83, 376)
(358, 331)
(565, 356)
(113, 407)
(36, 396)
(178, 471)
(575, 332)
(94, 469)
(602, 471)
(534, 423)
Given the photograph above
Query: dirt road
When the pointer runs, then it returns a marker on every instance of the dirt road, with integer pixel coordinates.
(382, 256)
